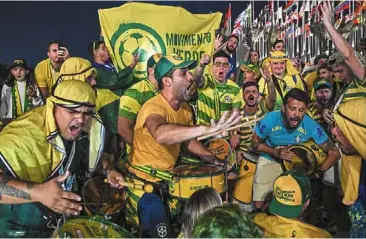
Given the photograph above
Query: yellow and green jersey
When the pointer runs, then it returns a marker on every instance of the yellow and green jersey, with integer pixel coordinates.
(355, 90)
(246, 133)
(134, 97)
(215, 98)
(285, 84)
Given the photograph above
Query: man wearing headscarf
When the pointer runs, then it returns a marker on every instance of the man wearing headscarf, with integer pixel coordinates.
(42, 153)
(350, 132)
(107, 102)
(284, 76)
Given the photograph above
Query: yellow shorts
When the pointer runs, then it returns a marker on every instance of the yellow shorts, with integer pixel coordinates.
(266, 174)
(244, 185)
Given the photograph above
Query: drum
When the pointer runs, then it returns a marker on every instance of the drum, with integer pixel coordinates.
(308, 158)
(222, 150)
(84, 227)
(190, 178)
(101, 198)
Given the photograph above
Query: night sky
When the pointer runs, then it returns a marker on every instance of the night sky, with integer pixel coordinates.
(27, 27)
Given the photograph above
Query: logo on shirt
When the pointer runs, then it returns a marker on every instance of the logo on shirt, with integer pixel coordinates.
(320, 132)
(162, 231)
(298, 139)
(228, 99)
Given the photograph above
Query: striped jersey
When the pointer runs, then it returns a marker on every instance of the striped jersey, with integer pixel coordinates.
(134, 97)
(246, 133)
(356, 90)
(315, 113)
(286, 84)
(215, 98)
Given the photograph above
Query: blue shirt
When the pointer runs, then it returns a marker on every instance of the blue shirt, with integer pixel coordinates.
(272, 130)
(232, 67)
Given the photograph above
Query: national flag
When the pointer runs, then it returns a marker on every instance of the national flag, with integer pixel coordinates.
(345, 4)
(227, 21)
(360, 7)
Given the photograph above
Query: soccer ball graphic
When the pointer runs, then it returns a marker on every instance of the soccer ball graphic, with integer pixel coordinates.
(137, 44)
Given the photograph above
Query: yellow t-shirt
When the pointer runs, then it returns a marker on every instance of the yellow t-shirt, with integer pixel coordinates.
(45, 75)
(286, 84)
(146, 151)
(280, 227)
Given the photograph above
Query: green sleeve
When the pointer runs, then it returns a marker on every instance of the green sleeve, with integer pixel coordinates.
(112, 80)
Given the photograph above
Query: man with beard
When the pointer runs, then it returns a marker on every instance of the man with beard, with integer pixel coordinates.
(107, 76)
(279, 130)
(163, 124)
(216, 94)
(325, 71)
(54, 144)
(350, 132)
(243, 137)
(349, 64)
(230, 49)
(47, 71)
(284, 75)
(323, 93)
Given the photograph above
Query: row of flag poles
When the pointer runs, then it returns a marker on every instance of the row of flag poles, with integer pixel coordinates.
(298, 23)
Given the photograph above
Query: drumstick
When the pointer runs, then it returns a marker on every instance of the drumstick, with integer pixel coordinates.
(230, 128)
(148, 188)
(93, 204)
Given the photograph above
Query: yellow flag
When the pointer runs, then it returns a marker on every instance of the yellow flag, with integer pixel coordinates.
(145, 29)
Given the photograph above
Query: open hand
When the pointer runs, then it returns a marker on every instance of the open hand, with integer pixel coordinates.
(285, 154)
(218, 41)
(54, 197)
(326, 9)
(224, 123)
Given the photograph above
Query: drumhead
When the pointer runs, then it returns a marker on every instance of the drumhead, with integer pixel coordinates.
(304, 161)
(220, 148)
(196, 171)
(91, 227)
(97, 191)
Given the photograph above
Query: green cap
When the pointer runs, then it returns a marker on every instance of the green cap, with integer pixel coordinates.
(291, 190)
(321, 83)
(170, 62)
(153, 60)
(251, 67)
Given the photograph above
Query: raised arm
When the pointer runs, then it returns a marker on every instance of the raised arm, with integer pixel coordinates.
(341, 44)
(165, 133)
(198, 73)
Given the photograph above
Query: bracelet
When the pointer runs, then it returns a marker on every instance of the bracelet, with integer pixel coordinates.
(277, 152)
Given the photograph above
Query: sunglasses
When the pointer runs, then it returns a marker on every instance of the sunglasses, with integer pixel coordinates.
(222, 64)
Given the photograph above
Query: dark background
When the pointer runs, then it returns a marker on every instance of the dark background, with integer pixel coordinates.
(27, 27)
